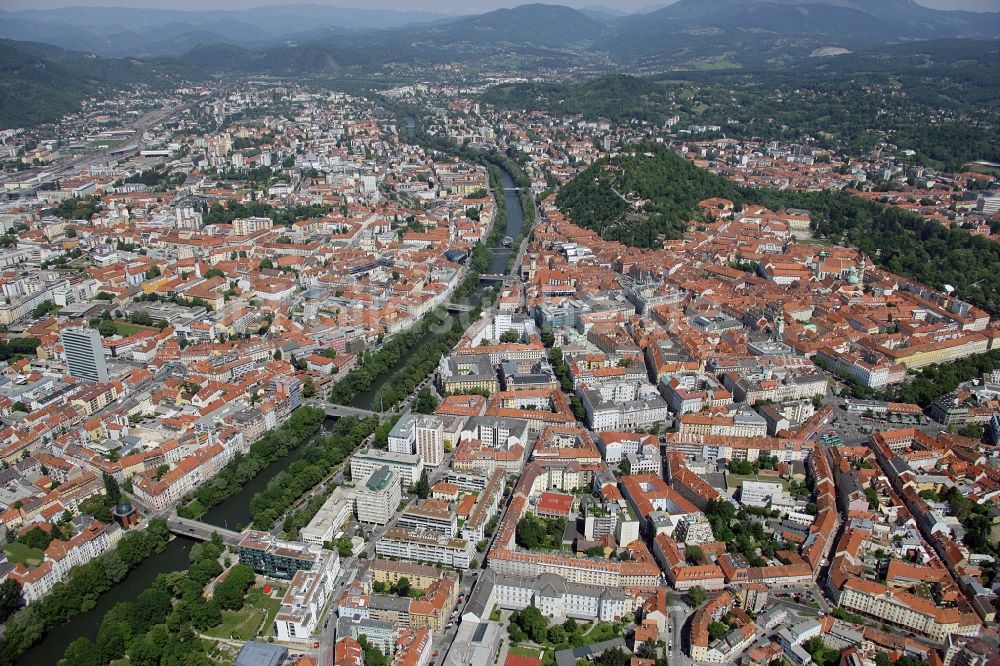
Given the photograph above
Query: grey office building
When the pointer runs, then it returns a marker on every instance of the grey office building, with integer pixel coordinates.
(84, 354)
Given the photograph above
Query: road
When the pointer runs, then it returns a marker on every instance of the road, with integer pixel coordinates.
(679, 614)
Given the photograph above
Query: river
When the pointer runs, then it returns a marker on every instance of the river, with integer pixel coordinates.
(234, 512)
(51, 649)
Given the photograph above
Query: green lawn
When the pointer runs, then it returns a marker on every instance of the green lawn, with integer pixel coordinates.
(18, 553)
(244, 622)
(271, 603)
(736, 480)
(127, 328)
(524, 650)
(239, 624)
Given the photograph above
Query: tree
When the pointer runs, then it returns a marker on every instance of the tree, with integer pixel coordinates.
(425, 403)
(821, 654)
(647, 650)
(308, 388)
(532, 622)
(614, 657)
(510, 337)
(694, 554)
(556, 634)
(548, 337)
(98, 507)
(150, 608)
(373, 656)
(422, 488)
(107, 328)
(82, 652)
(111, 489)
(696, 595)
(344, 546)
(717, 630)
(11, 599)
(112, 638)
(530, 532)
(70, 232)
(403, 587)
(153, 273)
(115, 568)
(36, 538)
(265, 263)
(213, 272)
(230, 593)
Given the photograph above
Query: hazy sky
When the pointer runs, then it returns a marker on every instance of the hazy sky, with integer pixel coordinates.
(444, 6)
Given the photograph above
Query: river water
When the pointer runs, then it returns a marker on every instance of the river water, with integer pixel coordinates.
(234, 512)
(51, 649)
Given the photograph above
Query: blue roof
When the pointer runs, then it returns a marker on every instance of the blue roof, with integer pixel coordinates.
(261, 654)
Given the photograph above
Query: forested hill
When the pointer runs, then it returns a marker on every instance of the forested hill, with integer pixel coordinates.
(39, 83)
(645, 197)
(619, 98)
(851, 102)
(606, 198)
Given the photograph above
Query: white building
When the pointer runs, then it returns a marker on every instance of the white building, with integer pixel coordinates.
(420, 434)
(377, 498)
(762, 493)
(421, 546)
(303, 603)
(332, 515)
(406, 466)
(558, 598)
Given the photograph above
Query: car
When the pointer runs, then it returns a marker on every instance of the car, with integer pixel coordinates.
(315, 644)
(670, 646)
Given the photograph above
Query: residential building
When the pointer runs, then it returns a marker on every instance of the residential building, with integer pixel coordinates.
(84, 354)
(377, 497)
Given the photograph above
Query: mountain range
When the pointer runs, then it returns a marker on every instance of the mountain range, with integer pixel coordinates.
(136, 32)
(314, 40)
(687, 29)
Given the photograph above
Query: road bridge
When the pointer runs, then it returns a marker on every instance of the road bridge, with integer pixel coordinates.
(201, 531)
(457, 307)
(338, 411)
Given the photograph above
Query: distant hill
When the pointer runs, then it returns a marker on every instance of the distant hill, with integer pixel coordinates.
(688, 34)
(129, 31)
(317, 40)
(616, 97)
(536, 24)
(755, 33)
(533, 31)
(40, 83)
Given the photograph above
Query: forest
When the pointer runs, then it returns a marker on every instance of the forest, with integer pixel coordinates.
(669, 187)
(620, 98)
